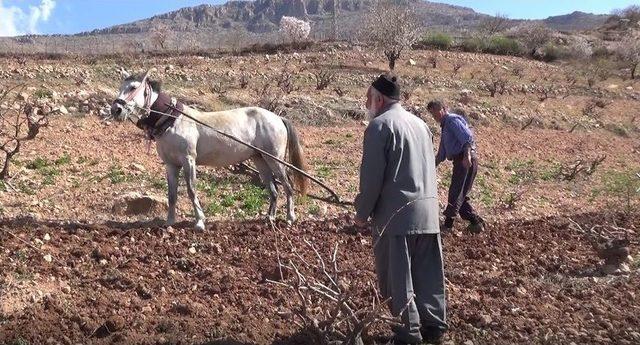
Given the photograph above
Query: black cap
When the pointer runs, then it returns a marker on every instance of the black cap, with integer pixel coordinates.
(388, 86)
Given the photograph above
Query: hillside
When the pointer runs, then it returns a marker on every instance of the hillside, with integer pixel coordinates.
(576, 21)
(242, 23)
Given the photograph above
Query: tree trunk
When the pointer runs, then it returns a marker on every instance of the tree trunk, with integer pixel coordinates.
(633, 70)
(334, 21)
(392, 63)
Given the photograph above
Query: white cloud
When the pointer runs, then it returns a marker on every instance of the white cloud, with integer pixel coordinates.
(14, 21)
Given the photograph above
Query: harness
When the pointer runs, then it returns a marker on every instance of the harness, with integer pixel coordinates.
(162, 115)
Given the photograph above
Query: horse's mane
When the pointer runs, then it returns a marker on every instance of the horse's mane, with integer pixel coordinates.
(156, 85)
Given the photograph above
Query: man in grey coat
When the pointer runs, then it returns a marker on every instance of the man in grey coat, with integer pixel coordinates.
(398, 194)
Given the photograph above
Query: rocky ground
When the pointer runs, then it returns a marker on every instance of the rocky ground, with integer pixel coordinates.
(101, 260)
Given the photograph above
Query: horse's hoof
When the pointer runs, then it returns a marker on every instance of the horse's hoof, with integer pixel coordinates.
(291, 220)
(199, 226)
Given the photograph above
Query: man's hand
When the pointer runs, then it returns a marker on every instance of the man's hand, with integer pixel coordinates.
(466, 161)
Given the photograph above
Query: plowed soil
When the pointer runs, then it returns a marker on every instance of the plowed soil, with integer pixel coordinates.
(138, 283)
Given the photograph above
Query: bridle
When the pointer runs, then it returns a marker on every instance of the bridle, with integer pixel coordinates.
(144, 87)
(133, 94)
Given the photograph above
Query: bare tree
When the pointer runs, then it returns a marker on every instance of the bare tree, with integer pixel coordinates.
(323, 78)
(629, 51)
(18, 124)
(493, 25)
(392, 27)
(632, 13)
(160, 36)
(323, 303)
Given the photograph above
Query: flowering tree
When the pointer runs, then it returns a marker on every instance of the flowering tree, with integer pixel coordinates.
(533, 35)
(629, 51)
(295, 29)
(580, 48)
(392, 27)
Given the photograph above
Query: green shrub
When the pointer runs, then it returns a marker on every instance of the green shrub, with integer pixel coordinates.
(623, 186)
(438, 40)
(601, 52)
(501, 45)
(474, 45)
(43, 93)
(551, 52)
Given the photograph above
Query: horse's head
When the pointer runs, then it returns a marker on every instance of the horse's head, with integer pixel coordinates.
(136, 92)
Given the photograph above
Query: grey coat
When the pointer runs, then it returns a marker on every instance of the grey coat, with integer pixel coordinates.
(398, 175)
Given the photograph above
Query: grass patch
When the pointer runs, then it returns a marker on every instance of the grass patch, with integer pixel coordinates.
(43, 93)
(324, 171)
(159, 183)
(46, 169)
(618, 129)
(63, 160)
(25, 188)
(38, 163)
(486, 192)
(314, 209)
(213, 208)
(551, 173)
(116, 175)
(623, 187)
(521, 172)
(252, 199)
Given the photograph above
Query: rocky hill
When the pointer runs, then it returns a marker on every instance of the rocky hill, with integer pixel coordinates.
(263, 16)
(242, 23)
(576, 21)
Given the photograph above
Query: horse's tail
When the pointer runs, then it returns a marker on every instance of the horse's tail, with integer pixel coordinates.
(296, 156)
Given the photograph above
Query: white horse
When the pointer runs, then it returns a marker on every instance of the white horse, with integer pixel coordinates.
(182, 143)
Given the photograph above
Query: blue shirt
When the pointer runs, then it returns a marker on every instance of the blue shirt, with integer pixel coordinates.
(455, 136)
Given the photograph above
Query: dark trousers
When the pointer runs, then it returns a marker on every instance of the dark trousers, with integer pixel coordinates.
(410, 271)
(461, 184)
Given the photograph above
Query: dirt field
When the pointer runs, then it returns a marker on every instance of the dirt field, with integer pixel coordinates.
(73, 271)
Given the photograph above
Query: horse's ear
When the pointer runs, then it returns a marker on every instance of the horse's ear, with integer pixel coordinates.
(152, 70)
(124, 73)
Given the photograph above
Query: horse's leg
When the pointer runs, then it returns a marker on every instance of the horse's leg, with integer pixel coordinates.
(172, 182)
(190, 177)
(269, 182)
(280, 172)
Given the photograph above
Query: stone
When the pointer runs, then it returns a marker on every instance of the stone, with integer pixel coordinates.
(63, 110)
(485, 320)
(138, 204)
(66, 289)
(466, 96)
(48, 258)
(47, 237)
(137, 167)
(412, 62)
(192, 250)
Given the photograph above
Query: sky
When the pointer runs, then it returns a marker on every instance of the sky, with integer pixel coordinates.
(19, 17)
